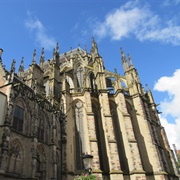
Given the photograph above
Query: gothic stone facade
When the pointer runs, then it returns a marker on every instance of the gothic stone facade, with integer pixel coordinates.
(56, 111)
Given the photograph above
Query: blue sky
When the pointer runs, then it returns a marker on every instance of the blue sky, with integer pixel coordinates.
(148, 30)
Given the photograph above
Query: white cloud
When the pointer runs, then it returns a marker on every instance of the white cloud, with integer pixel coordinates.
(172, 131)
(170, 106)
(132, 19)
(35, 26)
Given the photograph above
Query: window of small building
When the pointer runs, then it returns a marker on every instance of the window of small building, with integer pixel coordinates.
(18, 118)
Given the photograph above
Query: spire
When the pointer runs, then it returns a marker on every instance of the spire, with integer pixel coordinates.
(34, 57)
(147, 88)
(94, 50)
(130, 61)
(115, 70)
(12, 71)
(21, 68)
(57, 48)
(56, 55)
(78, 49)
(124, 61)
(42, 59)
(1, 51)
(94, 45)
(85, 50)
(71, 53)
(149, 93)
(13, 66)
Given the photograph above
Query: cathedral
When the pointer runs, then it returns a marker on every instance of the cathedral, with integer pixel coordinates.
(59, 112)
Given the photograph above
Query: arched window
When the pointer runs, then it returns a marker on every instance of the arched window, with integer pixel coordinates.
(79, 134)
(47, 87)
(80, 77)
(16, 158)
(18, 119)
(69, 84)
(21, 116)
(43, 129)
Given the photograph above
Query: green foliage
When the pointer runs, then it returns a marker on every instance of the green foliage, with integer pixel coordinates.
(86, 177)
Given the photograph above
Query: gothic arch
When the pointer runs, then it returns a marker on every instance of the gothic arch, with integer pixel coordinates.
(123, 82)
(80, 76)
(47, 86)
(69, 84)
(21, 112)
(43, 126)
(16, 157)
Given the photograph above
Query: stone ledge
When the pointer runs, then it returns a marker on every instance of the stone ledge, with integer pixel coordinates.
(112, 141)
(93, 140)
(137, 172)
(116, 172)
(132, 140)
(160, 173)
(96, 171)
(90, 113)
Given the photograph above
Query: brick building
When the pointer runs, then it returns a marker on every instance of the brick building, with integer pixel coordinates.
(58, 110)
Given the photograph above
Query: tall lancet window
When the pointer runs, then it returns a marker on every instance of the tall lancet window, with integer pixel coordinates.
(79, 134)
(80, 77)
(18, 118)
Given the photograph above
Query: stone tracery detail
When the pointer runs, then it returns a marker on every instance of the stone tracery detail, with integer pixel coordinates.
(16, 157)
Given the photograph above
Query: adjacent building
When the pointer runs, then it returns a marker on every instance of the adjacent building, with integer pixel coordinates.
(58, 110)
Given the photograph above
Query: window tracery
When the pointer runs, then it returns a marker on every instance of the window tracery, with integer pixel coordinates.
(79, 134)
(43, 129)
(80, 76)
(16, 158)
(18, 119)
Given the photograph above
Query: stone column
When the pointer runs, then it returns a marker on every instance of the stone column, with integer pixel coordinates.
(110, 140)
(128, 135)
